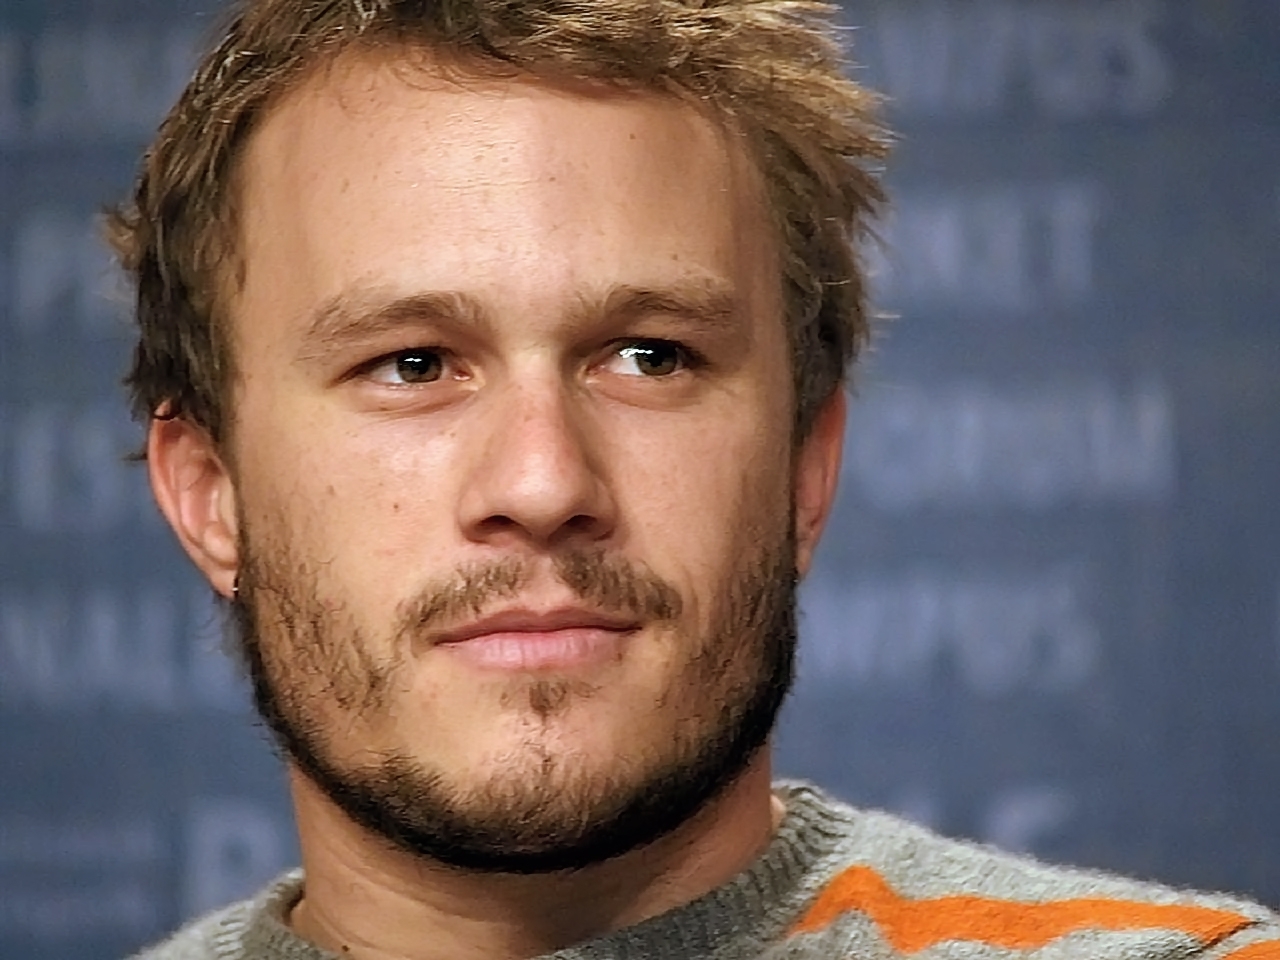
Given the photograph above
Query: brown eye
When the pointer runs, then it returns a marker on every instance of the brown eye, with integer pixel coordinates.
(652, 358)
(419, 366)
(409, 368)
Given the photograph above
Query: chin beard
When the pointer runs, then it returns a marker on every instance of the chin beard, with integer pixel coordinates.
(542, 812)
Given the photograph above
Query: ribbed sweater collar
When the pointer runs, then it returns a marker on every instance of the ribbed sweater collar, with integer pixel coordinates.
(738, 919)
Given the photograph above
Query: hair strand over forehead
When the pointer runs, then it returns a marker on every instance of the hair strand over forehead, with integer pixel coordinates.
(771, 68)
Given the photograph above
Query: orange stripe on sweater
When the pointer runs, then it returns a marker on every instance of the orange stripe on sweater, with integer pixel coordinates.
(914, 925)
(1257, 951)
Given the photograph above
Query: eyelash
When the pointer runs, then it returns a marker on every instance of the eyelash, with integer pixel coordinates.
(690, 359)
(366, 370)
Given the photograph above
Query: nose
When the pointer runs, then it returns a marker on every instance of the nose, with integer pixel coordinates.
(537, 476)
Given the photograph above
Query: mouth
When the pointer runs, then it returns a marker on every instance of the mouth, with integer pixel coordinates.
(525, 640)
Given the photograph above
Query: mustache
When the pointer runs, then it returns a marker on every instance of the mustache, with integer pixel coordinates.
(606, 582)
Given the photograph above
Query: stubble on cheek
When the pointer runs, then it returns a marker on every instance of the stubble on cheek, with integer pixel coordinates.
(309, 642)
(322, 668)
(327, 687)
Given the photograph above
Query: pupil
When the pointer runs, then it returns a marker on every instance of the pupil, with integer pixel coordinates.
(418, 367)
(655, 359)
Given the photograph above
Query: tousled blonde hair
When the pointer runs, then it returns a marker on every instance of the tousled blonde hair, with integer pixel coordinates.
(771, 68)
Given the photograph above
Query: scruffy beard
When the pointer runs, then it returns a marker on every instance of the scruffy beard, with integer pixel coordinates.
(541, 812)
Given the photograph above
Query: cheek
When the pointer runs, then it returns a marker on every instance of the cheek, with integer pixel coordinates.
(368, 505)
(693, 506)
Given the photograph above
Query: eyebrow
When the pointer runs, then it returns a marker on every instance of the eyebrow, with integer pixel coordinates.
(352, 317)
(356, 316)
(709, 301)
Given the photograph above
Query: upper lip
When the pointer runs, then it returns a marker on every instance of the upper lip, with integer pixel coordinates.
(531, 621)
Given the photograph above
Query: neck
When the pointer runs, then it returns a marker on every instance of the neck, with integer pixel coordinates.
(368, 901)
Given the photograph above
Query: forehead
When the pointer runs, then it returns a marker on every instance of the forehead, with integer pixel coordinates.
(392, 172)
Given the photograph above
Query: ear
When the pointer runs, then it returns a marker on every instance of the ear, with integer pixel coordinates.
(817, 474)
(195, 492)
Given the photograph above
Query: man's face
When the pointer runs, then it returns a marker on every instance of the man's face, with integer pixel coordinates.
(513, 458)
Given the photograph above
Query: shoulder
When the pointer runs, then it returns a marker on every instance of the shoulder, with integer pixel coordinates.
(200, 939)
(231, 932)
(891, 888)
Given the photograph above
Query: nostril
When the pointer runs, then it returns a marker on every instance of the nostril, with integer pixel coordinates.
(581, 523)
(500, 522)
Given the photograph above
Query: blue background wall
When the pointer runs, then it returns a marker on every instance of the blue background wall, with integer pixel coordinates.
(1048, 613)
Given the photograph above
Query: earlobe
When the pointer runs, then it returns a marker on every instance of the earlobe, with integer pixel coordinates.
(195, 492)
(817, 475)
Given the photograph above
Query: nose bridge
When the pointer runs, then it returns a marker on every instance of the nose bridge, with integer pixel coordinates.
(537, 471)
(545, 426)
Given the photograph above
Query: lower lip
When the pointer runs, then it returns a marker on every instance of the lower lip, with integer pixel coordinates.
(540, 650)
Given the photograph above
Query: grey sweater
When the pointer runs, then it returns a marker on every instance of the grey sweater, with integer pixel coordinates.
(838, 882)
